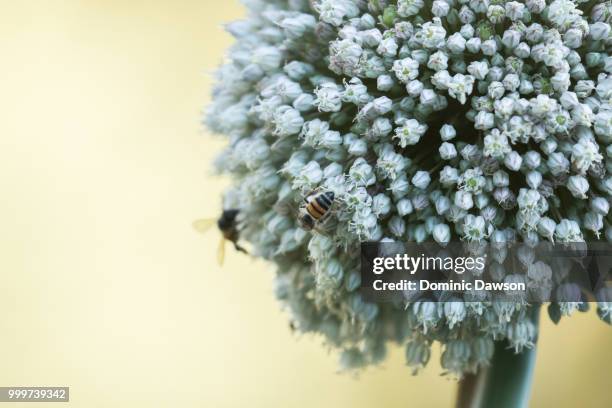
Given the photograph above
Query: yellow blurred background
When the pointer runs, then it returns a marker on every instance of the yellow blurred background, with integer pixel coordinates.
(104, 285)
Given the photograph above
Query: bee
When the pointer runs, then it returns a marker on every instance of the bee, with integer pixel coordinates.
(228, 226)
(315, 209)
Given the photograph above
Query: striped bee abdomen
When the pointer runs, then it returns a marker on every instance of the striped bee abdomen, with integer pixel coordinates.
(320, 204)
(315, 209)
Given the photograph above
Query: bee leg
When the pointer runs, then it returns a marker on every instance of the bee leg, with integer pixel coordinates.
(239, 248)
(321, 226)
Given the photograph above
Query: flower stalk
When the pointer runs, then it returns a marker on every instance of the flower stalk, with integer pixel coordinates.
(505, 383)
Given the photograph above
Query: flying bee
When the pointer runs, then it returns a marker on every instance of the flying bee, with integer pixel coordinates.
(228, 226)
(315, 209)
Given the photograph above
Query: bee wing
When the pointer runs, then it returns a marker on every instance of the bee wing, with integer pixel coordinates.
(221, 252)
(204, 224)
(285, 207)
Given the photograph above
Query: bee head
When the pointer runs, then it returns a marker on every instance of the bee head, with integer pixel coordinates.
(227, 219)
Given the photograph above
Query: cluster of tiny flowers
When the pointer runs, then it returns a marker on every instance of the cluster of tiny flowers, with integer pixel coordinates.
(471, 120)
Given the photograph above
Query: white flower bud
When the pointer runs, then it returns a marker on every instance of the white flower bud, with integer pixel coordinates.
(582, 115)
(467, 31)
(387, 47)
(535, 6)
(484, 120)
(488, 47)
(496, 89)
(334, 12)
(414, 88)
(473, 45)
(440, 8)
(593, 222)
(560, 81)
(420, 202)
(511, 39)
(447, 132)
(479, 69)
(496, 73)
(447, 151)
(584, 88)
(449, 176)
(568, 231)
(534, 179)
(463, 200)
(296, 27)
(384, 83)
(407, 8)
(304, 102)
(504, 108)
(421, 56)
(526, 87)
(578, 186)
(361, 173)
(557, 163)
(381, 127)
(371, 37)
(522, 50)
(532, 159)
(381, 205)
(599, 31)
(511, 82)
(548, 146)
(421, 180)
(404, 207)
(288, 121)
(456, 43)
(404, 30)
(397, 226)
(267, 57)
(513, 161)
(332, 170)
(442, 204)
(501, 179)
(441, 234)
(546, 227)
(428, 97)
(441, 79)
(399, 186)
(515, 10)
(569, 100)
(308, 177)
(382, 105)
(466, 15)
(600, 206)
(331, 139)
(358, 147)
(495, 14)
(298, 70)
(572, 38)
(329, 98)
(438, 61)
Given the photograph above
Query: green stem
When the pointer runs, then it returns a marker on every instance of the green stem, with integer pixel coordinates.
(506, 383)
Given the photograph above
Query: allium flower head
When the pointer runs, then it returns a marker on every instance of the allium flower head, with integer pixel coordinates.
(430, 121)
